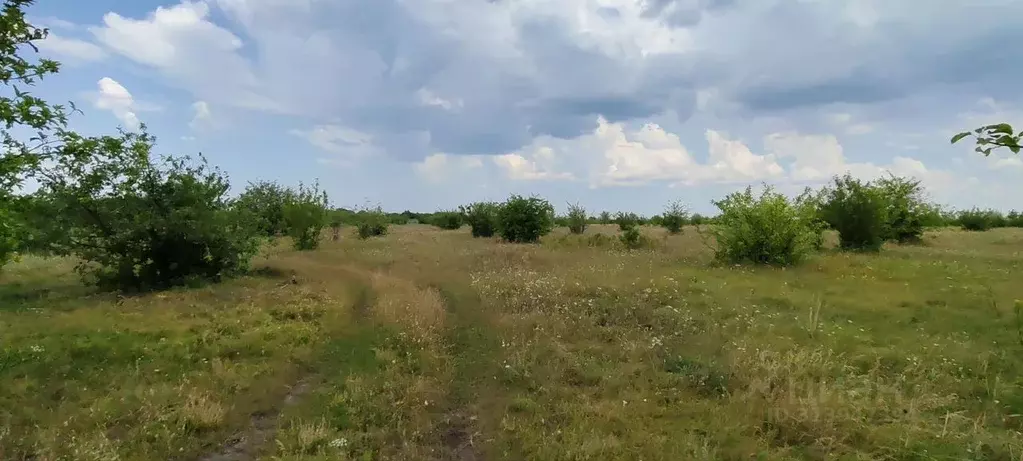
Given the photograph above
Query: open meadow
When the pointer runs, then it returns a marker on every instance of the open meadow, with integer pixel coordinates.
(427, 344)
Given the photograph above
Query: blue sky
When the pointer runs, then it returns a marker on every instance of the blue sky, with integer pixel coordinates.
(614, 104)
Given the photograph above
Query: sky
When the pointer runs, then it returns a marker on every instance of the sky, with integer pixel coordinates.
(611, 104)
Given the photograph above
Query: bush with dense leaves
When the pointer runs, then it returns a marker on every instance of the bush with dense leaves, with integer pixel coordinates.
(765, 229)
(266, 201)
(576, 219)
(675, 216)
(978, 220)
(482, 218)
(305, 216)
(449, 220)
(139, 225)
(906, 209)
(858, 211)
(1014, 219)
(626, 221)
(604, 218)
(525, 220)
(371, 222)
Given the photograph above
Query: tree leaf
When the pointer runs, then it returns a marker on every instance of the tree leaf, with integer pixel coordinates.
(960, 136)
(1000, 128)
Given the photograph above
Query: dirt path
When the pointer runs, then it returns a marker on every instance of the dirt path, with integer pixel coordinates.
(474, 349)
(263, 425)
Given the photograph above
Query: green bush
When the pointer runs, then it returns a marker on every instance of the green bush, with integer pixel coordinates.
(305, 215)
(266, 201)
(769, 229)
(978, 220)
(604, 218)
(697, 219)
(675, 216)
(1014, 219)
(632, 238)
(576, 219)
(482, 218)
(138, 225)
(906, 209)
(858, 211)
(449, 220)
(371, 222)
(525, 220)
(626, 221)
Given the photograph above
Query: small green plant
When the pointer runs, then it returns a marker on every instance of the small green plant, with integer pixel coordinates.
(858, 211)
(576, 219)
(482, 218)
(525, 220)
(976, 219)
(449, 220)
(305, 215)
(631, 238)
(769, 229)
(675, 216)
(626, 221)
(372, 222)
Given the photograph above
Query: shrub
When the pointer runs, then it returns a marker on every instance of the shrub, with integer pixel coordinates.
(631, 238)
(604, 218)
(675, 216)
(576, 219)
(858, 211)
(525, 220)
(697, 219)
(769, 229)
(305, 215)
(372, 222)
(626, 221)
(138, 225)
(450, 220)
(977, 220)
(266, 201)
(482, 217)
(1014, 219)
(906, 209)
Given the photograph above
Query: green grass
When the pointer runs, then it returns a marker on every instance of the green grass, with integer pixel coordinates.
(428, 344)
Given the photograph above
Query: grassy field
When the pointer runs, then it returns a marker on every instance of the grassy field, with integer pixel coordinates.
(428, 344)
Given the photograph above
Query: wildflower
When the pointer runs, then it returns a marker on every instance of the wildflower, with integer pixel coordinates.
(339, 443)
(37, 348)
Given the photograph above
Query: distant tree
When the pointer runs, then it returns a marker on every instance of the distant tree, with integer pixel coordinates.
(266, 200)
(576, 219)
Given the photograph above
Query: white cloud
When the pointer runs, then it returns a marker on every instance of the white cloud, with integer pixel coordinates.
(349, 145)
(428, 98)
(201, 116)
(440, 167)
(70, 49)
(115, 97)
(533, 165)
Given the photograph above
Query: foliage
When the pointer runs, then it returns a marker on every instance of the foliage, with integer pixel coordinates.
(1014, 219)
(991, 137)
(138, 225)
(675, 216)
(576, 219)
(525, 220)
(626, 221)
(450, 220)
(906, 209)
(481, 217)
(371, 222)
(769, 229)
(305, 215)
(976, 219)
(858, 211)
(266, 200)
(25, 114)
(697, 219)
(605, 217)
(632, 238)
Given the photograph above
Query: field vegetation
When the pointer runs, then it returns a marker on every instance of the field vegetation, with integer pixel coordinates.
(146, 313)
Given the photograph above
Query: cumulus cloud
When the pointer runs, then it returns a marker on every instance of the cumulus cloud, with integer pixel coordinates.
(347, 145)
(114, 97)
(72, 50)
(201, 116)
(440, 167)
